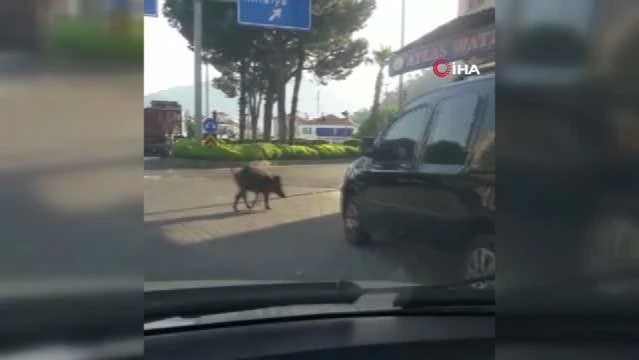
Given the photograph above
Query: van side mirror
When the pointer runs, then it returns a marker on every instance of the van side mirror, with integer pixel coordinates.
(367, 146)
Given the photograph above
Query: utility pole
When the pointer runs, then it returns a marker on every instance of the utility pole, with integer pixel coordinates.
(403, 32)
(197, 53)
(206, 91)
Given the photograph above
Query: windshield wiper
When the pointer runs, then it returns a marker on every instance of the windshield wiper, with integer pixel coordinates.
(196, 302)
(202, 301)
(460, 293)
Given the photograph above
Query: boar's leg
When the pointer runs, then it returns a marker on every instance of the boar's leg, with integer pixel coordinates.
(266, 201)
(257, 198)
(238, 196)
(245, 198)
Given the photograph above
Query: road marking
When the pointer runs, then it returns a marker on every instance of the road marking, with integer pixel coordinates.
(152, 177)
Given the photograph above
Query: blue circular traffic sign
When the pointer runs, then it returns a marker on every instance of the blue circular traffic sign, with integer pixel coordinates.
(209, 125)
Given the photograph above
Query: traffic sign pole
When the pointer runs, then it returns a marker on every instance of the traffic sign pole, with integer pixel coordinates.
(197, 53)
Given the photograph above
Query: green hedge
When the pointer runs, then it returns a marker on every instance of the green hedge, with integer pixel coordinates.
(85, 39)
(297, 142)
(352, 142)
(190, 149)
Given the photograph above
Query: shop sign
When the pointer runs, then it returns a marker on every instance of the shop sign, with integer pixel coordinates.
(475, 43)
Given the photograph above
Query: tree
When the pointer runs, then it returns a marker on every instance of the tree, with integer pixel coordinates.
(361, 115)
(380, 58)
(277, 55)
(297, 75)
(328, 51)
(231, 49)
(374, 124)
(190, 128)
(255, 87)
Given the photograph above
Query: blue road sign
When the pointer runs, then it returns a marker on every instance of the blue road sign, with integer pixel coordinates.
(276, 14)
(151, 8)
(209, 125)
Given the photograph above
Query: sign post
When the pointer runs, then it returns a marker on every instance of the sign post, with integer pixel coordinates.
(275, 14)
(209, 129)
(209, 125)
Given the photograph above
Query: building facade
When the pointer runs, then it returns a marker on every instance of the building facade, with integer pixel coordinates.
(328, 127)
(227, 128)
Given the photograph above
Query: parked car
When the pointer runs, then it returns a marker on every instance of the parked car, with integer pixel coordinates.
(430, 176)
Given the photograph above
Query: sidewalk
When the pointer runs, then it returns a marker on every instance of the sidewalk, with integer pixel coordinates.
(171, 163)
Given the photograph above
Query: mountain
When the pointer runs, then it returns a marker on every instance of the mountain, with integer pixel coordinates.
(329, 103)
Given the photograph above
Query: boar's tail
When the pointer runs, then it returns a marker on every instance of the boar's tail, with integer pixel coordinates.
(234, 173)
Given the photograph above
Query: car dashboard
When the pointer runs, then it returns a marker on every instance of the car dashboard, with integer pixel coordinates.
(381, 336)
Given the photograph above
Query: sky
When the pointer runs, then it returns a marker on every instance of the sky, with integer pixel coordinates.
(168, 62)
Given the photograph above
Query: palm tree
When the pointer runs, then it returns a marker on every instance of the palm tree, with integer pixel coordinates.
(380, 58)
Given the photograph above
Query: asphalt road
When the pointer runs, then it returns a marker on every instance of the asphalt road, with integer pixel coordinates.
(192, 232)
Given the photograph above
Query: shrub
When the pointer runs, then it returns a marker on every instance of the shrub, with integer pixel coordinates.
(190, 149)
(291, 152)
(352, 142)
(304, 142)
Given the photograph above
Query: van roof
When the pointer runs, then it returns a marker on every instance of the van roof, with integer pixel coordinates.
(458, 83)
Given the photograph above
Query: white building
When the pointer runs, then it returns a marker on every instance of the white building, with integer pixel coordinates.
(328, 127)
(227, 128)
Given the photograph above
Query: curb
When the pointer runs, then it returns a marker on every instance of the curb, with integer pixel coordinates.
(171, 163)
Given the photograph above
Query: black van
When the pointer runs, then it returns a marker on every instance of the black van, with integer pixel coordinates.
(430, 175)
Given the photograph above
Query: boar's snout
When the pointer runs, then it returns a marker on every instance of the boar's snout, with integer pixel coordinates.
(277, 186)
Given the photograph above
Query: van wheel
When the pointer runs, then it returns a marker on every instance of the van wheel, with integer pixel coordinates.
(479, 259)
(354, 233)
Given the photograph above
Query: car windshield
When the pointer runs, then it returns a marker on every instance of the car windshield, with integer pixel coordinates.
(256, 168)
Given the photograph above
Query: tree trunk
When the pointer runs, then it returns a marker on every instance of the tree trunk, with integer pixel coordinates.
(268, 111)
(253, 111)
(255, 105)
(281, 113)
(378, 93)
(243, 101)
(299, 71)
(258, 108)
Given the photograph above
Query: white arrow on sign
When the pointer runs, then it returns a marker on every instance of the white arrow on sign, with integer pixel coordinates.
(276, 14)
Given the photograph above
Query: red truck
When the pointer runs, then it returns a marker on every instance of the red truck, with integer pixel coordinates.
(162, 126)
